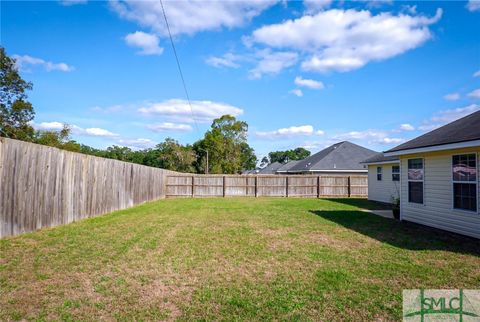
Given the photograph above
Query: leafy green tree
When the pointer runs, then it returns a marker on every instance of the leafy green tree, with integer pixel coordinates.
(300, 154)
(85, 149)
(16, 112)
(151, 158)
(116, 152)
(60, 139)
(288, 155)
(226, 143)
(248, 158)
(174, 156)
(138, 156)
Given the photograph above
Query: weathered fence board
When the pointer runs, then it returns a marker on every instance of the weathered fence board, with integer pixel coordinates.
(42, 186)
(266, 186)
(358, 186)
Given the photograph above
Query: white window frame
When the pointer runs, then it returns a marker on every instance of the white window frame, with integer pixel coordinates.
(380, 173)
(422, 181)
(470, 182)
(399, 176)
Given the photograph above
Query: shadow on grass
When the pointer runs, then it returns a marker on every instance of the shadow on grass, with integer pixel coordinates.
(361, 203)
(401, 234)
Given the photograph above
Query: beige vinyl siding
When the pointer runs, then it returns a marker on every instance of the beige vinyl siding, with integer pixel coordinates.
(386, 188)
(437, 210)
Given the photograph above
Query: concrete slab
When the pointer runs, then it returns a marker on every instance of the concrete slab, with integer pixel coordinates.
(383, 213)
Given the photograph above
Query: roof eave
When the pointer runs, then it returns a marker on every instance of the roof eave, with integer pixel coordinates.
(338, 170)
(434, 148)
(381, 162)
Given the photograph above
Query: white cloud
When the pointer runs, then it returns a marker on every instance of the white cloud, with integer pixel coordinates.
(446, 116)
(272, 62)
(140, 143)
(72, 2)
(178, 110)
(48, 126)
(407, 127)
(169, 127)
(452, 97)
(344, 40)
(227, 60)
(320, 132)
(93, 131)
(109, 109)
(310, 83)
(313, 6)
(474, 93)
(291, 131)
(388, 140)
(190, 17)
(476, 74)
(317, 145)
(147, 42)
(473, 5)
(266, 61)
(297, 92)
(57, 126)
(136, 143)
(412, 9)
(369, 136)
(26, 61)
(375, 3)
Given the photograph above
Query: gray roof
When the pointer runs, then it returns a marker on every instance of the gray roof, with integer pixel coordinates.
(287, 166)
(340, 156)
(252, 171)
(465, 129)
(380, 157)
(271, 168)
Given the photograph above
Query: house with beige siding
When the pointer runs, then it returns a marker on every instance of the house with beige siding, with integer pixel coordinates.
(383, 178)
(439, 181)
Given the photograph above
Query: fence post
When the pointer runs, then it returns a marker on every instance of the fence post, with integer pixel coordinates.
(286, 186)
(349, 187)
(318, 187)
(193, 185)
(223, 186)
(256, 187)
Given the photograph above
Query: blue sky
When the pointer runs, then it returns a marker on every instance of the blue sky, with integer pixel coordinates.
(308, 73)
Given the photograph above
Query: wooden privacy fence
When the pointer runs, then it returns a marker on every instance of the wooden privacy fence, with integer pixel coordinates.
(42, 186)
(266, 186)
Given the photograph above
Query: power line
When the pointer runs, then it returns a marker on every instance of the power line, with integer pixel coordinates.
(178, 65)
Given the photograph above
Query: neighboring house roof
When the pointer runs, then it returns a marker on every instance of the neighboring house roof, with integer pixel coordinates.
(381, 158)
(462, 130)
(287, 166)
(342, 156)
(271, 168)
(253, 171)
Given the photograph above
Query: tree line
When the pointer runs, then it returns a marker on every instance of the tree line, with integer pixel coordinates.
(225, 141)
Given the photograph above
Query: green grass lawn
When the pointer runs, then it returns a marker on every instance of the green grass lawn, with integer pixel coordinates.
(230, 259)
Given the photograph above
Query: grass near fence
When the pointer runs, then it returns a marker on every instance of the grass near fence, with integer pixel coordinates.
(230, 259)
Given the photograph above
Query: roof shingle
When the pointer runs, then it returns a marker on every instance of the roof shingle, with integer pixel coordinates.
(271, 168)
(340, 156)
(380, 157)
